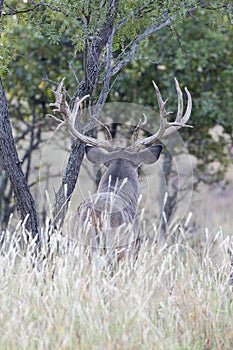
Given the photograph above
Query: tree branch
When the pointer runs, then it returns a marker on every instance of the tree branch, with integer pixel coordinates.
(107, 73)
(120, 62)
(1, 6)
(18, 12)
(137, 41)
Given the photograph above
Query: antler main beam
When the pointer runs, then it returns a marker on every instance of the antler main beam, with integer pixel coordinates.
(69, 117)
(167, 128)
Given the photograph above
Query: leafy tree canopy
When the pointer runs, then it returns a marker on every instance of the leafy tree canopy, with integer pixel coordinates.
(81, 20)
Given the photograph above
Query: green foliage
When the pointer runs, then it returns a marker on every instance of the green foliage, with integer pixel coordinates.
(200, 56)
(6, 51)
(34, 60)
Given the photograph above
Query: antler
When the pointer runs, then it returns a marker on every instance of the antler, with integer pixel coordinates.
(166, 128)
(69, 117)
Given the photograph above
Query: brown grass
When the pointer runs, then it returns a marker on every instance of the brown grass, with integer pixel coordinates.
(172, 297)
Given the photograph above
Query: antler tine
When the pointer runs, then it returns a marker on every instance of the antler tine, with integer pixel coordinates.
(180, 121)
(108, 132)
(69, 117)
(189, 107)
(76, 108)
(136, 131)
(161, 103)
(145, 120)
(166, 128)
(163, 122)
(180, 102)
(137, 128)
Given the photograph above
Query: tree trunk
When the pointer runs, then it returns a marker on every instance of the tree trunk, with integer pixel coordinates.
(9, 161)
(6, 205)
(69, 180)
(172, 192)
(87, 85)
(1, 6)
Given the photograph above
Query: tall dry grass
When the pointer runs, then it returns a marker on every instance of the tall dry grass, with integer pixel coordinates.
(173, 297)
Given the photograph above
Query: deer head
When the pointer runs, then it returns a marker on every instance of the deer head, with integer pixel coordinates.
(108, 219)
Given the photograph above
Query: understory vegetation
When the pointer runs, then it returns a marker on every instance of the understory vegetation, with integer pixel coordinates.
(174, 296)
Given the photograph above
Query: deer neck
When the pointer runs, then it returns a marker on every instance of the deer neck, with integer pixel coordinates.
(121, 178)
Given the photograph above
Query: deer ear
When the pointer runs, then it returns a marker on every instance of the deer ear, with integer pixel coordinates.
(150, 155)
(95, 155)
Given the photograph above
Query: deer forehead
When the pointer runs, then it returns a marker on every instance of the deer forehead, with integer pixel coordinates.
(124, 156)
(96, 155)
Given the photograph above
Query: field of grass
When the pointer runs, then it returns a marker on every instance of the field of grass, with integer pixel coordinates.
(174, 296)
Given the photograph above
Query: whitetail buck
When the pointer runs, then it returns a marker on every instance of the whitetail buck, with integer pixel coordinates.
(108, 219)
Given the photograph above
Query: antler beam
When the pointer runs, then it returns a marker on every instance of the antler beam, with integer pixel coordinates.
(69, 117)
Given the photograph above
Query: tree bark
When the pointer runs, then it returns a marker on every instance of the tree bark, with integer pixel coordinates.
(9, 161)
(172, 194)
(86, 86)
(1, 6)
(63, 195)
